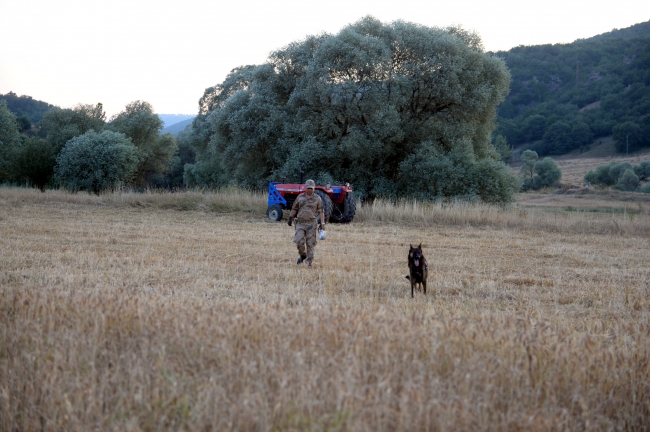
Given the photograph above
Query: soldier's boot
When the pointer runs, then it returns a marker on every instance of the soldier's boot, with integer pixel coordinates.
(301, 259)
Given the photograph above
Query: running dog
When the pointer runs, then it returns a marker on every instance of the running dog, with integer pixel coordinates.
(418, 269)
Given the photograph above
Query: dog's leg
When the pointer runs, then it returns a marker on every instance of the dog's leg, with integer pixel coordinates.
(412, 288)
(425, 273)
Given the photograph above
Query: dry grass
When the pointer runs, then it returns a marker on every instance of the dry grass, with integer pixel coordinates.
(593, 200)
(120, 313)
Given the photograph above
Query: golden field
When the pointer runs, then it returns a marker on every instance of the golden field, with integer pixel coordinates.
(187, 312)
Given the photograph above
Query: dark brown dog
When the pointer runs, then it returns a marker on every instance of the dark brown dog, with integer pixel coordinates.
(418, 269)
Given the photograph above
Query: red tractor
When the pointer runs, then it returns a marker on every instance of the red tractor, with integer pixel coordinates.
(338, 203)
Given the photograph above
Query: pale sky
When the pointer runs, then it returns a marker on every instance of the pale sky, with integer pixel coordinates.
(168, 52)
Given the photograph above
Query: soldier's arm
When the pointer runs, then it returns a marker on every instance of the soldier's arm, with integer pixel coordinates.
(294, 209)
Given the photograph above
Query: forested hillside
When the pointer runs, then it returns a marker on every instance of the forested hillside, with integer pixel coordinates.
(25, 106)
(563, 96)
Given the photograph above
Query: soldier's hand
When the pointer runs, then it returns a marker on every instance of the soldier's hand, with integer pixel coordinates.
(290, 221)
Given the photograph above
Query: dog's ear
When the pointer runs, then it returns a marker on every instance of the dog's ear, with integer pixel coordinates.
(420, 246)
(411, 246)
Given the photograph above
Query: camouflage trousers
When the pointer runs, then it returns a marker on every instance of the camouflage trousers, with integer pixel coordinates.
(305, 239)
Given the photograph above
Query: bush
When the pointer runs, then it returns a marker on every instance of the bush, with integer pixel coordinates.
(96, 161)
(645, 188)
(529, 158)
(643, 170)
(601, 176)
(547, 173)
(628, 181)
(617, 170)
(434, 174)
(622, 175)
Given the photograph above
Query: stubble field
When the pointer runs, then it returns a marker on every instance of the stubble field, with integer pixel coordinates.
(188, 312)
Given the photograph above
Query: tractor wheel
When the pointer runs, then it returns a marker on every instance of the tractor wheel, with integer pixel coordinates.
(327, 205)
(274, 213)
(349, 209)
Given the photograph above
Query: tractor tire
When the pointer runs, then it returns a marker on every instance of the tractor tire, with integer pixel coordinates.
(274, 213)
(327, 205)
(349, 209)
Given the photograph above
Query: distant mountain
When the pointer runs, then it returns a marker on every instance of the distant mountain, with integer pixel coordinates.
(176, 128)
(171, 119)
(26, 106)
(563, 96)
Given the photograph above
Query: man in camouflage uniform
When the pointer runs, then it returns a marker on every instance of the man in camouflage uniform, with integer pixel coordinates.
(306, 208)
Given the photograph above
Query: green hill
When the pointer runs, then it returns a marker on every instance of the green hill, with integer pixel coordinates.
(25, 106)
(563, 96)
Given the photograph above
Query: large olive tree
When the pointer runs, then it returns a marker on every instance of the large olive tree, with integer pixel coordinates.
(359, 106)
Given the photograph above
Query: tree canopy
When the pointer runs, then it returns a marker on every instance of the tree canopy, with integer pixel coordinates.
(358, 106)
(155, 151)
(63, 124)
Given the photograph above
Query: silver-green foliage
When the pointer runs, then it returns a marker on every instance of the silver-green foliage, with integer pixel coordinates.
(432, 172)
(62, 124)
(95, 162)
(527, 171)
(547, 173)
(359, 106)
(537, 174)
(628, 181)
(642, 170)
(645, 188)
(501, 146)
(622, 176)
(155, 151)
